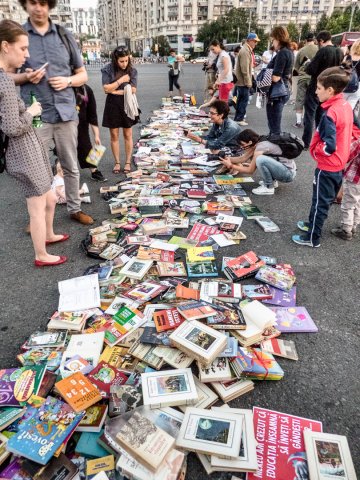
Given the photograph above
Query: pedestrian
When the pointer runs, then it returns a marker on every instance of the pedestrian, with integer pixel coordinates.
(210, 75)
(282, 65)
(117, 77)
(26, 159)
(354, 58)
(244, 76)
(330, 149)
(224, 78)
(223, 132)
(306, 53)
(267, 56)
(327, 56)
(86, 104)
(265, 156)
(54, 46)
(174, 64)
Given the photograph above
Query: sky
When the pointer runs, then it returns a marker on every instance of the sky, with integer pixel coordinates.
(82, 3)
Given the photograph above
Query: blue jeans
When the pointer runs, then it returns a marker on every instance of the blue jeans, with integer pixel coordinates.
(326, 186)
(274, 109)
(271, 169)
(242, 94)
(312, 111)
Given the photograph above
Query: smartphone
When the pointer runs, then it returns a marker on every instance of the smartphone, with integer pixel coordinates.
(43, 66)
(185, 131)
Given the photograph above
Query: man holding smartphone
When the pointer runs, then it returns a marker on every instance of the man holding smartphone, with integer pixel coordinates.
(49, 74)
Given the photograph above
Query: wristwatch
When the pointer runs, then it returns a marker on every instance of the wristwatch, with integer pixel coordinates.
(69, 82)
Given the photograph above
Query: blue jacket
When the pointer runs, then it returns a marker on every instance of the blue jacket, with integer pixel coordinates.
(223, 135)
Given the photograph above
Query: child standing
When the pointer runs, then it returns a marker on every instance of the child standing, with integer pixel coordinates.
(330, 148)
(350, 205)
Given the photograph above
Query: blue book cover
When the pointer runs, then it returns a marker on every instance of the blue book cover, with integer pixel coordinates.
(202, 269)
(44, 430)
(88, 446)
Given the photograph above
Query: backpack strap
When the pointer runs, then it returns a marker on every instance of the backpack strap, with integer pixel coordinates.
(68, 45)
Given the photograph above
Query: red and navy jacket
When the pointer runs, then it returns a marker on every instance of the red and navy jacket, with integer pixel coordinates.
(330, 145)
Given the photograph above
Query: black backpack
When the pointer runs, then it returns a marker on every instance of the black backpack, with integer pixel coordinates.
(291, 145)
(4, 140)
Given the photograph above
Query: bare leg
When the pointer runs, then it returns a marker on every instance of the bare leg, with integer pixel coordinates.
(128, 139)
(37, 212)
(115, 147)
(49, 217)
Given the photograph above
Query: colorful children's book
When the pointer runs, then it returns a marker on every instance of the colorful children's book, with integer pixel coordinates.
(294, 320)
(45, 429)
(78, 391)
(276, 278)
(255, 364)
(18, 384)
(281, 298)
(105, 375)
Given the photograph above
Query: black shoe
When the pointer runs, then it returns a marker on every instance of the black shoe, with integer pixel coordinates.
(340, 233)
(98, 176)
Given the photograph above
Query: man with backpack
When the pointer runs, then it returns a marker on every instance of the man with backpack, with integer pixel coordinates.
(272, 155)
(54, 67)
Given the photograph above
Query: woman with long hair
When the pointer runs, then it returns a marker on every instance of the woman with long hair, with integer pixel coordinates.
(282, 65)
(224, 78)
(119, 81)
(26, 159)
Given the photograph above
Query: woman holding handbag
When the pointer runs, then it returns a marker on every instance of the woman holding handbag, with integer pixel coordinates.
(282, 66)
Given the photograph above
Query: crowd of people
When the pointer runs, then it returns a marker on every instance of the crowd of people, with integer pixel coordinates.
(42, 58)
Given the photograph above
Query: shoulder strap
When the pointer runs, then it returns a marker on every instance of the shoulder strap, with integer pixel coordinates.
(65, 40)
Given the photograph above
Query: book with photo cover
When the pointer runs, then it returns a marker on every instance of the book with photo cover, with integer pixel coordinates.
(270, 427)
(280, 348)
(146, 442)
(294, 320)
(210, 432)
(257, 292)
(228, 391)
(136, 268)
(199, 341)
(171, 269)
(196, 310)
(202, 269)
(169, 388)
(124, 398)
(145, 291)
(242, 267)
(328, 456)
(217, 371)
(276, 278)
(151, 336)
(168, 319)
(227, 318)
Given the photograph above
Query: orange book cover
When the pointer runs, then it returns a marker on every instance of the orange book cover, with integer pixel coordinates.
(185, 292)
(78, 391)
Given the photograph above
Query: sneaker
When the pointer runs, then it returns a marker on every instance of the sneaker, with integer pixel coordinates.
(353, 231)
(82, 217)
(340, 233)
(242, 123)
(86, 199)
(304, 226)
(297, 125)
(264, 190)
(275, 183)
(84, 189)
(304, 240)
(98, 176)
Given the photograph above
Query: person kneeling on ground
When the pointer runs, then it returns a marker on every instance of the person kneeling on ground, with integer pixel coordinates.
(224, 131)
(265, 156)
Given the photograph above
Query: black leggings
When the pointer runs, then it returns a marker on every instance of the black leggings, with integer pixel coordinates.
(173, 80)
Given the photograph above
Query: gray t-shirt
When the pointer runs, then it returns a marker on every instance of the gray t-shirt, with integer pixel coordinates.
(225, 78)
(274, 150)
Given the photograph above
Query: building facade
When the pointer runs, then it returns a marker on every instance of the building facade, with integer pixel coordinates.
(11, 9)
(62, 14)
(85, 21)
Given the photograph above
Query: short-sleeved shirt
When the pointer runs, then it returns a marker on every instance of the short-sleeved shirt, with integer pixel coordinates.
(57, 106)
(220, 66)
(109, 76)
(273, 150)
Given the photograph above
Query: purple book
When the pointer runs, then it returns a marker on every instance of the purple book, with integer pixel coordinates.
(293, 320)
(14, 471)
(282, 298)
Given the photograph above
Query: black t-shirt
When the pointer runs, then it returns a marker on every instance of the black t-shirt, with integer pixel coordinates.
(282, 63)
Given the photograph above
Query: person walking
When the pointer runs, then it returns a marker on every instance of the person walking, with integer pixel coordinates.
(327, 56)
(174, 64)
(50, 73)
(305, 53)
(119, 77)
(224, 78)
(26, 159)
(243, 73)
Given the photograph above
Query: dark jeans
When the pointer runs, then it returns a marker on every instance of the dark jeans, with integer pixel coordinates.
(274, 109)
(312, 112)
(173, 80)
(242, 94)
(325, 188)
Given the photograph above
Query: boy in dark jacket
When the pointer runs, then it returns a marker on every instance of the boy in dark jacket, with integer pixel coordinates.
(330, 148)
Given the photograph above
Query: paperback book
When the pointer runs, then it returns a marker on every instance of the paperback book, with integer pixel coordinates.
(78, 392)
(294, 320)
(276, 278)
(168, 319)
(18, 384)
(280, 348)
(105, 375)
(242, 267)
(201, 269)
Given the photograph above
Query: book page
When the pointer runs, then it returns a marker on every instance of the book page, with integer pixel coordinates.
(257, 317)
(79, 293)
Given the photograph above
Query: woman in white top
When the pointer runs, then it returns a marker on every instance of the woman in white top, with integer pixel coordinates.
(224, 67)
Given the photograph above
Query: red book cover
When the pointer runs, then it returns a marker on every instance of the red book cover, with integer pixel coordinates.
(200, 232)
(195, 193)
(167, 319)
(105, 375)
(245, 265)
(280, 449)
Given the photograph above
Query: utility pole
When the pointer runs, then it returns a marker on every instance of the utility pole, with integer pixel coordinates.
(250, 12)
(238, 34)
(353, 7)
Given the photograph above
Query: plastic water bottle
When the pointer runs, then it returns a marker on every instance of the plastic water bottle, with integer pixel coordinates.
(37, 122)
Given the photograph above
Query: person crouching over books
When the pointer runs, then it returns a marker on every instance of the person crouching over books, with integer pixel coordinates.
(58, 186)
(330, 148)
(263, 155)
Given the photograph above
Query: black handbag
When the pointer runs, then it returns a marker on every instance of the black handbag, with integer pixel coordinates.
(278, 89)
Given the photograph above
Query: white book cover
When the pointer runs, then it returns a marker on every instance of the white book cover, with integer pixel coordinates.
(168, 388)
(136, 268)
(210, 432)
(257, 317)
(221, 240)
(88, 345)
(79, 293)
(217, 371)
(164, 245)
(206, 397)
(120, 302)
(223, 218)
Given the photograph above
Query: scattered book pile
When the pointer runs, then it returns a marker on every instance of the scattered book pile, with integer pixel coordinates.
(123, 383)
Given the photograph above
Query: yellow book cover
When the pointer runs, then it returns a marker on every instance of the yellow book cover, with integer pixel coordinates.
(200, 254)
(97, 465)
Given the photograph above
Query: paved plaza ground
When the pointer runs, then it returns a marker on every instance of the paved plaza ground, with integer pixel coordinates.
(322, 385)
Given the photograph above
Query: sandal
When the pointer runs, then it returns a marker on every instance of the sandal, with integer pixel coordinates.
(117, 169)
(127, 168)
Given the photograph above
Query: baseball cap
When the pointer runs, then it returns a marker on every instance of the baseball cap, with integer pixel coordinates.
(253, 36)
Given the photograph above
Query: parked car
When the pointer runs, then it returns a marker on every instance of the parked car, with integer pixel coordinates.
(199, 60)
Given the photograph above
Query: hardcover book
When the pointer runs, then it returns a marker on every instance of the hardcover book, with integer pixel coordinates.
(275, 447)
(78, 391)
(294, 320)
(45, 429)
(168, 388)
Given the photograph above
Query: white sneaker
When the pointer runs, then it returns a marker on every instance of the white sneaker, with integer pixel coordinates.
(275, 183)
(263, 190)
(84, 188)
(86, 199)
(242, 123)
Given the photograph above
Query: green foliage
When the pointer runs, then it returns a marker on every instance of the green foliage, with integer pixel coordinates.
(322, 23)
(305, 30)
(339, 21)
(293, 31)
(163, 46)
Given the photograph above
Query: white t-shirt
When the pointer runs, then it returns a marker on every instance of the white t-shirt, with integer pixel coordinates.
(272, 149)
(220, 66)
(268, 55)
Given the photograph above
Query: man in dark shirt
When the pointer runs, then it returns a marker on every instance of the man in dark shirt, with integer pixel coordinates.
(327, 56)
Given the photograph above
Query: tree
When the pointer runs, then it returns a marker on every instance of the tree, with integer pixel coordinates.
(305, 30)
(322, 23)
(293, 31)
(163, 46)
